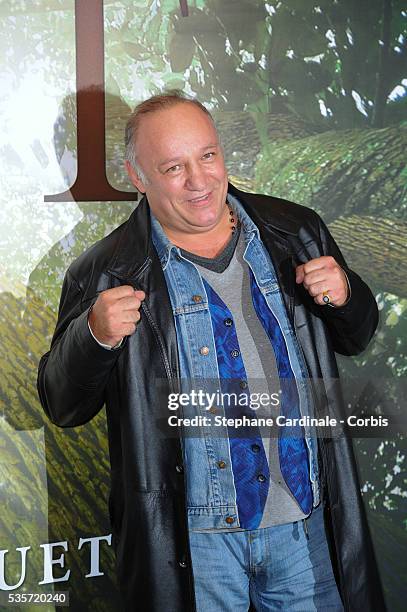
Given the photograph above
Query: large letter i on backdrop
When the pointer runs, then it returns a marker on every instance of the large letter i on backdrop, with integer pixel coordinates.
(91, 184)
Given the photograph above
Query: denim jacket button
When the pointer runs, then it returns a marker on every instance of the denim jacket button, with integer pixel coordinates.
(197, 299)
(221, 465)
(229, 520)
(204, 350)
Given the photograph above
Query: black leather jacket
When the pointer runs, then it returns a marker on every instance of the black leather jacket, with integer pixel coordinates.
(147, 502)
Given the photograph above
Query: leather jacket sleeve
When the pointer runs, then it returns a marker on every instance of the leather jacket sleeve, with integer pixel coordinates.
(73, 374)
(351, 326)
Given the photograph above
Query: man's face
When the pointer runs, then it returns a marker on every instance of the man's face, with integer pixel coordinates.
(179, 152)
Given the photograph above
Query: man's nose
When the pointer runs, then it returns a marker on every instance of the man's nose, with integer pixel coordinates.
(195, 177)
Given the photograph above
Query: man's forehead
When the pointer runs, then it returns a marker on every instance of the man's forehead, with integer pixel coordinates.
(170, 127)
(177, 112)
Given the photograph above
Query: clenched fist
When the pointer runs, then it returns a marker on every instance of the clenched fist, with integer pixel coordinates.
(115, 314)
(323, 275)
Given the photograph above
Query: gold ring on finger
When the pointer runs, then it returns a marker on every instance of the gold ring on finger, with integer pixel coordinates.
(325, 297)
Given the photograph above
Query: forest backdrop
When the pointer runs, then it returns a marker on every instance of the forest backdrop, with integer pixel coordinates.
(310, 100)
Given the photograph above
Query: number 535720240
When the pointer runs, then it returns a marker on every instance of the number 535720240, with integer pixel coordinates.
(60, 597)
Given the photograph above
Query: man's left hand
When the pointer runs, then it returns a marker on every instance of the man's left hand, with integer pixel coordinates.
(323, 275)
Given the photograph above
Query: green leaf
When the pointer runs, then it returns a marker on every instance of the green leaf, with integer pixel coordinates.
(392, 319)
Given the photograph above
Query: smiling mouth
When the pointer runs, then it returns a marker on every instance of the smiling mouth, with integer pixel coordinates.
(200, 199)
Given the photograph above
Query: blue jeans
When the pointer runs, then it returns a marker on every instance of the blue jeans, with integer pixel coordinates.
(277, 568)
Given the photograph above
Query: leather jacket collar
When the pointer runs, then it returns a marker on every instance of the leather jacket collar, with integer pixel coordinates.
(133, 253)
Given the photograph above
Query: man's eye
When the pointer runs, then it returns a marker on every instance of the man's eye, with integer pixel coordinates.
(173, 169)
(209, 155)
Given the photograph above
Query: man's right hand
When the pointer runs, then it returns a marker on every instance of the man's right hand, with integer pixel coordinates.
(115, 314)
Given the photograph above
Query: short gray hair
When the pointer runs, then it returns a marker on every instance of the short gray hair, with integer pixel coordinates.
(167, 99)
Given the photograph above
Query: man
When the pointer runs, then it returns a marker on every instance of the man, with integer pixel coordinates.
(205, 282)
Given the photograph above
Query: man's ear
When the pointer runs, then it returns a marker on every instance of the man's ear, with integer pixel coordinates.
(134, 177)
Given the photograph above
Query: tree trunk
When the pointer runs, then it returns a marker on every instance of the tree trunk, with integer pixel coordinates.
(382, 92)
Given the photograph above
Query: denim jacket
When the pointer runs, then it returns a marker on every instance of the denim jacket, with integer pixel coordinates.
(211, 494)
